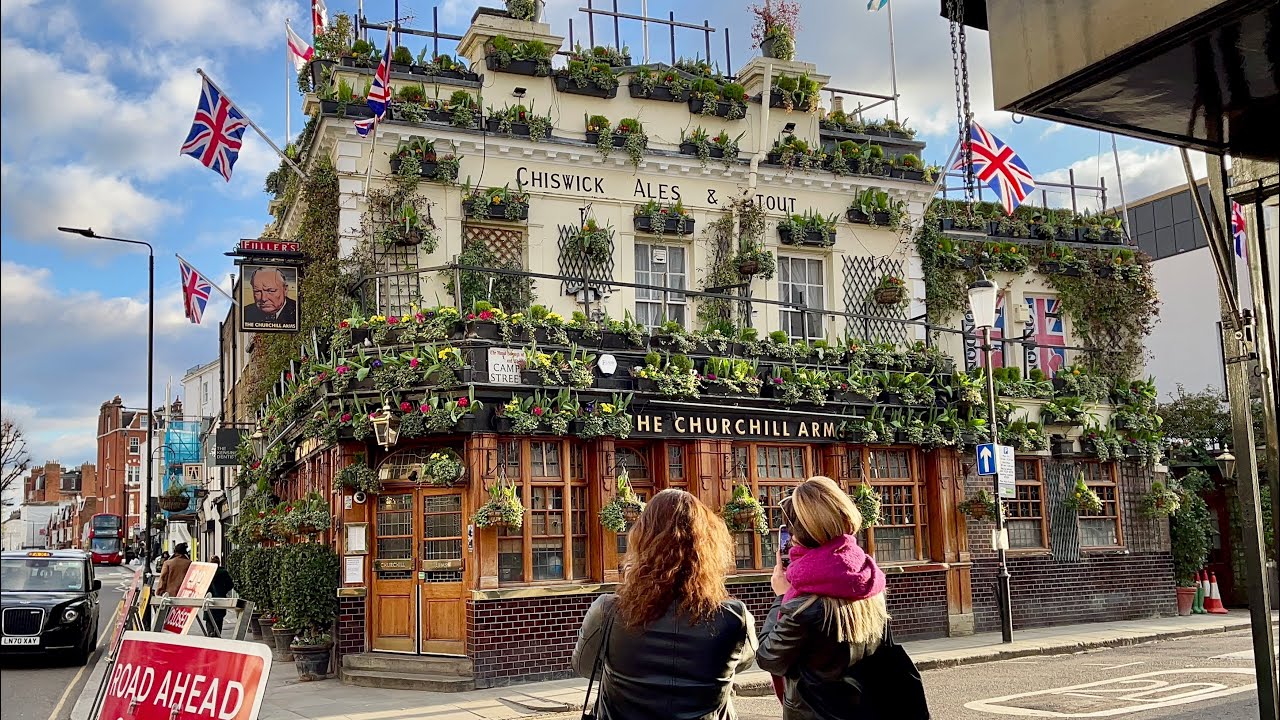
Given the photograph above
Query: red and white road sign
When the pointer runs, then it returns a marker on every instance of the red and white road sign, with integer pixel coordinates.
(126, 607)
(160, 677)
(195, 584)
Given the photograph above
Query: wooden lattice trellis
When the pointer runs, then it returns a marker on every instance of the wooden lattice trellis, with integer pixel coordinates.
(861, 275)
(397, 294)
(575, 268)
(506, 244)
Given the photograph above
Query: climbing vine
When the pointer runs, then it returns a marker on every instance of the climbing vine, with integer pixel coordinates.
(742, 225)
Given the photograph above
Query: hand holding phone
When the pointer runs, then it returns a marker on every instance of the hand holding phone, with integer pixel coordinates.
(784, 546)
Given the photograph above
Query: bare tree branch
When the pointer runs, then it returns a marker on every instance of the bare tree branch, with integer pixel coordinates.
(14, 461)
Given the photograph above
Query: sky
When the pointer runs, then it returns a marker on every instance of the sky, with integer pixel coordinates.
(99, 96)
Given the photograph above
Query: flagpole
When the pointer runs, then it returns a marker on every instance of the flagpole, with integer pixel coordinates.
(893, 64)
(206, 277)
(288, 63)
(254, 125)
(373, 148)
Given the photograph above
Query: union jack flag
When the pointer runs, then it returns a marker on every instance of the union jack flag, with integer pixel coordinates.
(999, 168)
(973, 347)
(364, 125)
(380, 91)
(1238, 229)
(216, 132)
(195, 291)
(1049, 334)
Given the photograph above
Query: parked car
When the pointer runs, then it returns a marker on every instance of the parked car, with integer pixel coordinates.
(49, 604)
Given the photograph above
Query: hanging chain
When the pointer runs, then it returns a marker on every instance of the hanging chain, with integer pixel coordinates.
(960, 70)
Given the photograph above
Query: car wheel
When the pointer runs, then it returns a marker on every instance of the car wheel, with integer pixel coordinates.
(80, 656)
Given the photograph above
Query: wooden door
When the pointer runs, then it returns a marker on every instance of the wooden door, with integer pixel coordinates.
(394, 607)
(440, 572)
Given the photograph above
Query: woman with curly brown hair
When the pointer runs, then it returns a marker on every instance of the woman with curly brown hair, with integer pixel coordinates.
(672, 638)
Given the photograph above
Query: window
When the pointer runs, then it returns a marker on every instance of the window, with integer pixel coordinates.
(671, 274)
(552, 544)
(1025, 513)
(637, 466)
(772, 472)
(902, 534)
(132, 475)
(1101, 529)
(133, 446)
(675, 466)
(205, 392)
(800, 281)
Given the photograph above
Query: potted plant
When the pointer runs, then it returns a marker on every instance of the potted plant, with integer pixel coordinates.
(587, 74)
(743, 513)
(530, 57)
(1161, 500)
(727, 100)
(634, 139)
(753, 260)
(867, 500)
(979, 506)
(660, 219)
(892, 290)
(623, 509)
(308, 589)
(529, 10)
(175, 498)
(1082, 498)
(666, 84)
(496, 203)
(358, 477)
(443, 468)
(791, 92)
(503, 508)
(811, 229)
(1189, 533)
(775, 28)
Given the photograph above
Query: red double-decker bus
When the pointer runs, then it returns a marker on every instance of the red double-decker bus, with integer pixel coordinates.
(105, 539)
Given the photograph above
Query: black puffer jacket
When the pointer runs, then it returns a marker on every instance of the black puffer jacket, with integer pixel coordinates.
(669, 669)
(831, 680)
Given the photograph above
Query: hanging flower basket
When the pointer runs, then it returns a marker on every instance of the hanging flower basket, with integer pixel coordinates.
(867, 501)
(1160, 501)
(502, 510)
(174, 503)
(891, 291)
(979, 507)
(443, 468)
(620, 513)
(743, 513)
(1083, 499)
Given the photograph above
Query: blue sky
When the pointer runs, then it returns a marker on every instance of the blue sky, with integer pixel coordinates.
(99, 96)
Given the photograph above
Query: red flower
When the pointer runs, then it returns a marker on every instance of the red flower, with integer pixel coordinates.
(471, 316)
(392, 320)
(344, 324)
(537, 410)
(463, 402)
(346, 417)
(288, 376)
(425, 408)
(288, 508)
(256, 464)
(486, 315)
(406, 406)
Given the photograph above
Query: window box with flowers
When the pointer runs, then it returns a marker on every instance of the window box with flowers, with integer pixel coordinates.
(726, 100)
(443, 66)
(796, 385)
(731, 377)
(790, 92)
(674, 377)
(909, 167)
(587, 74)
(606, 419)
(1061, 260)
(665, 84)
(455, 414)
(622, 511)
(702, 145)
(530, 57)
(875, 207)
(520, 121)
(658, 219)
(811, 229)
(793, 153)
(418, 157)
(495, 203)
(520, 416)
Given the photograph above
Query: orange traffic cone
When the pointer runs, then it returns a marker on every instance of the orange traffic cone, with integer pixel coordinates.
(1213, 603)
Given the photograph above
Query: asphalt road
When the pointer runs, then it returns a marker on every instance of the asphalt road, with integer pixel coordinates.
(1214, 673)
(47, 689)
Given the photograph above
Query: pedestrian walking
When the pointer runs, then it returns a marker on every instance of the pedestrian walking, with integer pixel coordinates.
(828, 635)
(220, 587)
(668, 644)
(160, 561)
(173, 571)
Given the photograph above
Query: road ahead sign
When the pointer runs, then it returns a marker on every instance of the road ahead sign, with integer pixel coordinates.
(986, 458)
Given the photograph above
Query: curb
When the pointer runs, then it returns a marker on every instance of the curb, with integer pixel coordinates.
(764, 687)
(84, 703)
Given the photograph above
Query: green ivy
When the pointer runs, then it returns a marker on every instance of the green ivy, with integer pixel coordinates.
(1189, 529)
(308, 586)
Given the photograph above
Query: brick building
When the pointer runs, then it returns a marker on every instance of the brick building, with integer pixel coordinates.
(73, 492)
(122, 447)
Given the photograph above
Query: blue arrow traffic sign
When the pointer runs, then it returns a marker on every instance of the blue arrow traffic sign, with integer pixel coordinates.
(986, 458)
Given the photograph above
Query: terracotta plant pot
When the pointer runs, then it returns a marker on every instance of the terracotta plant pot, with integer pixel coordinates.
(1186, 598)
(282, 638)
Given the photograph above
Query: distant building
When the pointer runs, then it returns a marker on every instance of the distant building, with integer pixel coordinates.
(122, 448)
(55, 500)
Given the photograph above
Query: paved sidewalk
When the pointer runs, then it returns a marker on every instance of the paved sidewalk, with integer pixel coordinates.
(289, 699)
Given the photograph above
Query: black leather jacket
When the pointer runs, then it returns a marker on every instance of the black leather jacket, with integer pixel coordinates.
(822, 679)
(668, 670)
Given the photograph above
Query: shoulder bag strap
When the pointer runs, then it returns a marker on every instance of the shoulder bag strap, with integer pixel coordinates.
(596, 670)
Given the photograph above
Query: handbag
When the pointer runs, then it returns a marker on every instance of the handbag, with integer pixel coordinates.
(898, 688)
(596, 670)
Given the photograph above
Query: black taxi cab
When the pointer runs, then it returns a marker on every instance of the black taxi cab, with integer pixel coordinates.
(48, 604)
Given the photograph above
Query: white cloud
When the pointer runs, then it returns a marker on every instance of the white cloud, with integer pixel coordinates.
(1051, 130)
(68, 351)
(206, 24)
(1145, 172)
(76, 196)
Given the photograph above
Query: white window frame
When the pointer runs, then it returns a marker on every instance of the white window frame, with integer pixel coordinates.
(651, 299)
(134, 445)
(789, 319)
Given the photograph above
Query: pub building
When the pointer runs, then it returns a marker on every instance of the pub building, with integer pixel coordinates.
(460, 603)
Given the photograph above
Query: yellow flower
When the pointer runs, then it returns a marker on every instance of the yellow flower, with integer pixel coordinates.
(443, 353)
(606, 408)
(406, 318)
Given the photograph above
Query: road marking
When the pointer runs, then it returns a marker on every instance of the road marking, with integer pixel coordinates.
(1113, 667)
(57, 709)
(1024, 662)
(1242, 655)
(1120, 696)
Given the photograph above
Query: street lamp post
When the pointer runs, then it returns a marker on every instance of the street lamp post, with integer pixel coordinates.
(151, 360)
(983, 294)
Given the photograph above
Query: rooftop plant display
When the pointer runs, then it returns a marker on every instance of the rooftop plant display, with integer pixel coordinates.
(529, 57)
(774, 31)
(791, 92)
(588, 73)
(660, 83)
(709, 96)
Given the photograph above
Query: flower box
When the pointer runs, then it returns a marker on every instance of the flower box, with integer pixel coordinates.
(450, 74)
(518, 67)
(1104, 271)
(617, 381)
(893, 295)
(688, 148)
(566, 84)
(498, 211)
(813, 238)
(482, 330)
(857, 216)
(531, 377)
(723, 107)
(1063, 447)
(890, 398)
(406, 69)
(672, 226)
(355, 62)
(318, 71)
(613, 341)
(517, 128)
(646, 385)
(352, 110)
(428, 168)
(911, 174)
(658, 93)
(618, 139)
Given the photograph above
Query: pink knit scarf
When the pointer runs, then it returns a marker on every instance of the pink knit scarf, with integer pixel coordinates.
(838, 569)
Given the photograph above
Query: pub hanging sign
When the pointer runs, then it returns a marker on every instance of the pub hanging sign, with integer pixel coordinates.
(735, 426)
(270, 300)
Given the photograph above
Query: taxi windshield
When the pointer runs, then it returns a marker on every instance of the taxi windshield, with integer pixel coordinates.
(31, 574)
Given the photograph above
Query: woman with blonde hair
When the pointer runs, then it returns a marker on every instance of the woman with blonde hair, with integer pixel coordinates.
(828, 634)
(668, 644)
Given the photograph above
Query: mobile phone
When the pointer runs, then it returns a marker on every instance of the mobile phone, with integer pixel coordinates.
(784, 545)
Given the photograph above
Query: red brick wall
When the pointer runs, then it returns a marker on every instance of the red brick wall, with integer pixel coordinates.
(351, 625)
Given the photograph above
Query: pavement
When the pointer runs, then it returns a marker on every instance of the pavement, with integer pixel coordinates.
(289, 699)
